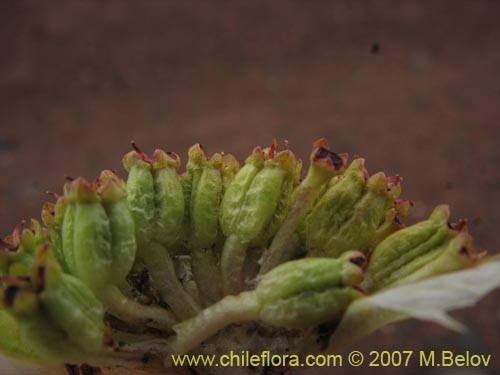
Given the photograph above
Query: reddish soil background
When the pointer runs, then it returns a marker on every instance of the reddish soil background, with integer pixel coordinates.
(412, 86)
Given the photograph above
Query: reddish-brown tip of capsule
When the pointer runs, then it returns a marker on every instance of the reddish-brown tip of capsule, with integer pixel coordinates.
(377, 182)
(402, 207)
(394, 186)
(9, 245)
(140, 152)
(81, 190)
(394, 180)
(216, 161)
(272, 149)
(111, 191)
(357, 258)
(197, 156)
(322, 142)
(134, 159)
(230, 164)
(173, 155)
(107, 174)
(366, 175)
(329, 159)
(162, 159)
(17, 234)
(52, 194)
(460, 226)
(284, 159)
(48, 214)
(257, 157)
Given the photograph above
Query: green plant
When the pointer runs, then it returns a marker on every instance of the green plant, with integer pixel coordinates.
(223, 257)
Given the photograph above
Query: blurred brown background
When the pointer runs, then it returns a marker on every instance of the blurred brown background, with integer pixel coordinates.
(412, 86)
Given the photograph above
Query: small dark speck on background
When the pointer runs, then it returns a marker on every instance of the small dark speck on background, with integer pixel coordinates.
(448, 186)
(476, 221)
(375, 48)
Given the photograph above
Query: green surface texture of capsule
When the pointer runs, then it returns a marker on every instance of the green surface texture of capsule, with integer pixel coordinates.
(169, 198)
(56, 313)
(310, 274)
(140, 196)
(73, 307)
(306, 309)
(205, 202)
(324, 165)
(235, 192)
(92, 236)
(261, 201)
(334, 208)
(257, 212)
(53, 217)
(303, 292)
(413, 251)
(121, 223)
(367, 215)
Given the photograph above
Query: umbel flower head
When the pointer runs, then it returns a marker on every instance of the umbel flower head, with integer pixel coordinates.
(223, 256)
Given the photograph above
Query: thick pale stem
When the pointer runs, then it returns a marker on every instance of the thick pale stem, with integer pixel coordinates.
(184, 270)
(161, 268)
(133, 312)
(232, 262)
(231, 309)
(207, 275)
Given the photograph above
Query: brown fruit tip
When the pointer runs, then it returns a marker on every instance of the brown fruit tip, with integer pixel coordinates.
(197, 156)
(162, 159)
(80, 190)
(140, 152)
(328, 158)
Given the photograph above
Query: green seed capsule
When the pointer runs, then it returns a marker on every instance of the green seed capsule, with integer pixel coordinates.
(67, 230)
(324, 165)
(204, 207)
(333, 208)
(259, 209)
(204, 204)
(91, 235)
(74, 308)
(53, 217)
(169, 197)
(308, 291)
(409, 250)
(235, 193)
(366, 217)
(310, 274)
(453, 255)
(230, 168)
(352, 213)
(20, 249)
(156, 199)
(56, 312)
(394, 218)
(123, 243)
(140, 196)
(48, 341)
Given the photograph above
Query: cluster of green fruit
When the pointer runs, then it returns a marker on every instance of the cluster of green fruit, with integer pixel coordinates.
(166, 261)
